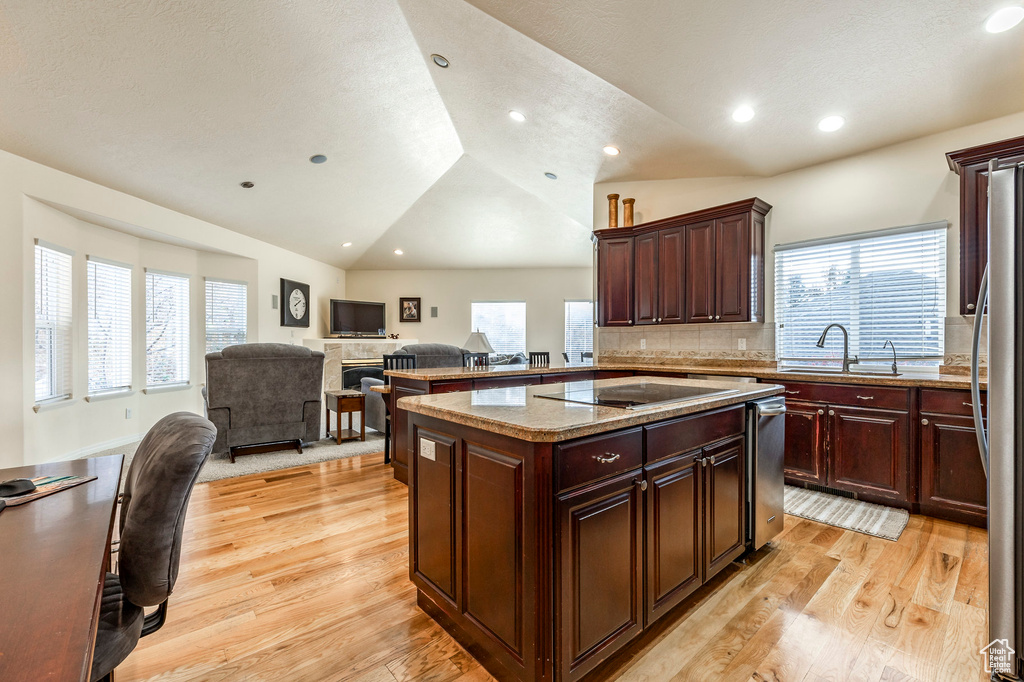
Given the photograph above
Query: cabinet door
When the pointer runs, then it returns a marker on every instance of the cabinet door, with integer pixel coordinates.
(674, 532)
(615, 282)
(645, 278)
(732, 269)
(724, 504)
(700, 272)
(400, 445)
(805, 442)
(869, 452)
(599, 582)
(953, 483)
(434, 539)
(671, 266)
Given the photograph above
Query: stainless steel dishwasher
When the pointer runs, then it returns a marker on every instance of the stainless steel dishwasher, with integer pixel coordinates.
(766, 437)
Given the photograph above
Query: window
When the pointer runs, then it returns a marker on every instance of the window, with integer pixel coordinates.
(53, 323)
(579, 328)
(167, 318)
(225, 314)
(887, 285)
(110, 326)
(504, 322)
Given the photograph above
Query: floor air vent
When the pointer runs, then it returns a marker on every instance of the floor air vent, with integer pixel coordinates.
(830, 491)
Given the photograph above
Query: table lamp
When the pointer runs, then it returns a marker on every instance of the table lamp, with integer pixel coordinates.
(477, 343)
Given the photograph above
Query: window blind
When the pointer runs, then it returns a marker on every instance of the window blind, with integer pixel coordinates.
(226, 314)
(53, 324)
(167, 329)
(888, 285)
(110, 326)
(579, 328)
(504, 322)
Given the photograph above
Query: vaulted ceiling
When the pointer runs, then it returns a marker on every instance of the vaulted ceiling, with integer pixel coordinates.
(179, 101)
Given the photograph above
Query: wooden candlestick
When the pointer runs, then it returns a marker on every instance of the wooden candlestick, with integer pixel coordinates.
(627, 212)
(613, 210)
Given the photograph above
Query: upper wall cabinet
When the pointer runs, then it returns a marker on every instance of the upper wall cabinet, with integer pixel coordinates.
(972, 166)
(700, 267)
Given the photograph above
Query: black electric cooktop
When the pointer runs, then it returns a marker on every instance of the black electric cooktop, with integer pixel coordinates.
(634, 396)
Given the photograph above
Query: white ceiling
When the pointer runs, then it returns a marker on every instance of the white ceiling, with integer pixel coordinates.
(178, 101)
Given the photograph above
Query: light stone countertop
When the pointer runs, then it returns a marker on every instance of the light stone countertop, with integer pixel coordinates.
(517, 412)
(909, 377)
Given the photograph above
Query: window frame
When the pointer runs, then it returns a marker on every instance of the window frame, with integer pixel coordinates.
(60, 361)
(206, 310)
(187, 335)
(565, 324)
(473, 327)
(110, 390)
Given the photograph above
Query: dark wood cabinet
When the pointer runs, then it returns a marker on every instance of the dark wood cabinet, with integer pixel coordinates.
(400, 455)
(724, 504)
(869, 452)
(805, 442)
(704, 266)
(953, 482)
(700, 272)
(600, 548)
(971, 165)
(615, 282)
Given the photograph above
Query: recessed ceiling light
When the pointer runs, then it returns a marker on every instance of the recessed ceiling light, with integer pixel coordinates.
(399, 252)
(550, 176)
(440, 61)
(611, 151)
(830, 124)
(247, 185)
(346, 245)
(516, 116)
(1004, 19)
(318, 158)
(743, 114)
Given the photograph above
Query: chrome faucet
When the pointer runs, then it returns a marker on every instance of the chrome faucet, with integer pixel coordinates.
(895, 369)
(846, 346)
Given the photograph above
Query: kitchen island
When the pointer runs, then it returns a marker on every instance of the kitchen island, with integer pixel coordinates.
(547, 534)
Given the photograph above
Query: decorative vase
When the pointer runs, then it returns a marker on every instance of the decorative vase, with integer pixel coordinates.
(627, 212)
(613, 210)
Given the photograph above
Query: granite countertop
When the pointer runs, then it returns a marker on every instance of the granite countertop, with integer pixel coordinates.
(517, 412)
(909, 378)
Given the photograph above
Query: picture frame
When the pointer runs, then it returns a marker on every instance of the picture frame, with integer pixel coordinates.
(295, 304)
(409, 309)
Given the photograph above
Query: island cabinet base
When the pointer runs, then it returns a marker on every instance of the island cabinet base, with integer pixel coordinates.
(545, 559)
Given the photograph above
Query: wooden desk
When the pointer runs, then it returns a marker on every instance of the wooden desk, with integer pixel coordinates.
(55, 554)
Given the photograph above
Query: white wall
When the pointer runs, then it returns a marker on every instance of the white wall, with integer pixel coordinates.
(31, 437)
(902, 184)
(545, 291)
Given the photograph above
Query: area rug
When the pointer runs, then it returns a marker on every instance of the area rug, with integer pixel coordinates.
(219, 466)
(842, 512)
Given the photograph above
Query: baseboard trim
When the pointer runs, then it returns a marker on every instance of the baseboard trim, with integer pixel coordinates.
(98, 447)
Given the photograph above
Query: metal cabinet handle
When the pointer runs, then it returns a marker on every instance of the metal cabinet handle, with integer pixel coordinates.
(703, 461)
(607, 458)
(712, 459)
(792, 392)
(831, 413)
(640, 482)
(631, 321)
(865, 397)
(718, 317)
(970, 306)
(968, 404)
(821, 411)
(924, 422)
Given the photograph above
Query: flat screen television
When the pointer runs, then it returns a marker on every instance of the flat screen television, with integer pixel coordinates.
(357, 318)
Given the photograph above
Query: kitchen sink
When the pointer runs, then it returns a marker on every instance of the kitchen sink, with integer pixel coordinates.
(837, 372)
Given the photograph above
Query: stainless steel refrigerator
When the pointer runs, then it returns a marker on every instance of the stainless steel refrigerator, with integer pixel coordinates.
(1001, 431)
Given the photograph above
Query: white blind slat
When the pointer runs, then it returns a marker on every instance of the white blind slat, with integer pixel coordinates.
(167, 329)
(883, 286)
(110, 326)
(53, 323)
(579, 328)
(226, 314)
(504, 322)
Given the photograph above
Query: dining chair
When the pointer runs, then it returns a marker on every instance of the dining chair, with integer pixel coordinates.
(542, 358)
(586, 355)
(565, 356)
(157, 488)
(393, 361)
(475, 360)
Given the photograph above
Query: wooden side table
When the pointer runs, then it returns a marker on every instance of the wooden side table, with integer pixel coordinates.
(346, 402)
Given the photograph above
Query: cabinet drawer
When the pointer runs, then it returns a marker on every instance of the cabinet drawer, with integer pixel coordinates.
(689, 433)
(879, 397)
(505, 382)
(451, 386)
(590, 459)
(564, 377)
(949, 402)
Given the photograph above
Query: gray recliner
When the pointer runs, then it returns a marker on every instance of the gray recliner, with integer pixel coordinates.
(259, 393)
(156, 494)
(428, 355)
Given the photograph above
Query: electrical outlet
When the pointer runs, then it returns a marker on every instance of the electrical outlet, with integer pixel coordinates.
(741, 344)
(127, 413)
(643, 344)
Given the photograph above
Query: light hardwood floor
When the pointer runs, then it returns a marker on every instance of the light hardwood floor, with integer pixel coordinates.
(303, 575)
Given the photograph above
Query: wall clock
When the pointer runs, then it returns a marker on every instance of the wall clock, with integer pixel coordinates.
(294, 304)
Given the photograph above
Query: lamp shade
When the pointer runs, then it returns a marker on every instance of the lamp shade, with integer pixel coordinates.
(478, 343)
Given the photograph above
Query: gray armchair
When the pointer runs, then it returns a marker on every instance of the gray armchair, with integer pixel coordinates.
(262, 393)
